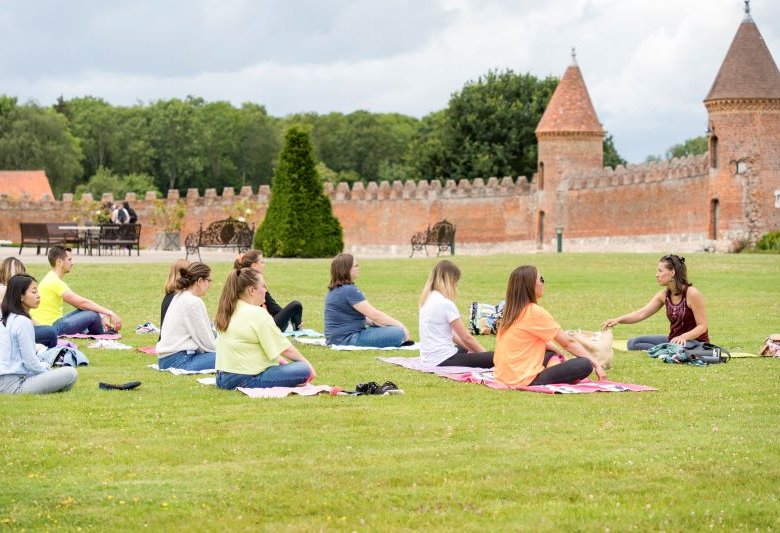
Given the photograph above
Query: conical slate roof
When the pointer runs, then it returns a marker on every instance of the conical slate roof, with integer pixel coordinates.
(748, 72)
(570, 109)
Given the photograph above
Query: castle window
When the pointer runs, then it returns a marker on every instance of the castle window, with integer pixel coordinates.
(713, 152)
(714, 205)
(777, 199)
(540, 230)
(540, 175)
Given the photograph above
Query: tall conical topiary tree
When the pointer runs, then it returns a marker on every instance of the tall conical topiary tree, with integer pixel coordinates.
(299, 221)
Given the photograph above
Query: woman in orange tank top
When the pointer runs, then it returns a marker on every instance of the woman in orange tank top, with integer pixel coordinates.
(525, 353)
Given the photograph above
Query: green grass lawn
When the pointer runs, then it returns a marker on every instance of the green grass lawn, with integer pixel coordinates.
(700, 453)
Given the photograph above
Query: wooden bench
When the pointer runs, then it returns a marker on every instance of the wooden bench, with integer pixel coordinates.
(45, 235)
(441, 235)
(118, 237)
(227, 233)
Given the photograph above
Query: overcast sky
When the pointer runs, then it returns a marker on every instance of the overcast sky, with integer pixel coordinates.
(647, 64)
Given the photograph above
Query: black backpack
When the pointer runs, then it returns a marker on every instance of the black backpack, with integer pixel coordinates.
(122, 215)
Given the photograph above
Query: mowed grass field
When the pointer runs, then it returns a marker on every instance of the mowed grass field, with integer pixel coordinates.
(700, 453)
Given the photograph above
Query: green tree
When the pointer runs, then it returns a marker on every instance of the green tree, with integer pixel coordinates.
(257, 146)
(486, 130)
(105, 180)
(175, 136)
(611, 156)
(693, 146)
(32, 137)
(299, 221)
(93, 121)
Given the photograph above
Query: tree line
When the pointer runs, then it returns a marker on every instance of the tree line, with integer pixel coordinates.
(87, 144)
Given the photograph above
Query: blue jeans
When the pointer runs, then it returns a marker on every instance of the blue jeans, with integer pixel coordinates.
(46, 335)
(188, 360)
(79, 321)
(377, 337)
(289, 375)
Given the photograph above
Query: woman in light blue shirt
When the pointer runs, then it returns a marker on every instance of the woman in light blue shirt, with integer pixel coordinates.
(21, 371)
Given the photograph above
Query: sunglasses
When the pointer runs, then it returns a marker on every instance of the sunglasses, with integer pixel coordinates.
(541, 280)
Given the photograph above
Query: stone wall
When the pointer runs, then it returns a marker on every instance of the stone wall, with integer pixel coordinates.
(653, 206)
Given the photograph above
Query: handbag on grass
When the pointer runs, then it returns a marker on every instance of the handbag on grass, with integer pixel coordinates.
(711, 354)
(771, 346)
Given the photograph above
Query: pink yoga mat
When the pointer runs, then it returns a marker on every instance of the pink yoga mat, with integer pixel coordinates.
(151, 350)
(583, 387)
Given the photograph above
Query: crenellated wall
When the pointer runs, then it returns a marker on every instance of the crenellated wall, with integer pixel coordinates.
(651, 206)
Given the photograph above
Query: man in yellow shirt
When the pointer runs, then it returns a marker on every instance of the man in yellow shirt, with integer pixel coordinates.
(53, 291)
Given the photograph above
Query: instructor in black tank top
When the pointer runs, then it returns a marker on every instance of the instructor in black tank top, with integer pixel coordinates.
(684, 308)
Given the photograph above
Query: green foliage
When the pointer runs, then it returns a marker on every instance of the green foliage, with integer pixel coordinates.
(693, 146)
(769, 242)
(299, 221)
(169, 214)
(487, 129)
(698, 454)
(33, 137)
(105, 181)
(357, 146)
(611, 156)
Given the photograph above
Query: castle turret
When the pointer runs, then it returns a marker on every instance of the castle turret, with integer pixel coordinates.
(570, 138)
(743, 107)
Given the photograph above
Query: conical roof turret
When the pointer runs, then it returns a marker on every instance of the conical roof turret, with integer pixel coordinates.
(570, 109)
(748, 72)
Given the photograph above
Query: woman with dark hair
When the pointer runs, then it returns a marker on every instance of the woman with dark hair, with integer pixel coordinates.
(11, 266)
(349, 318)
(684, 308)
(186, 338)
(525, 354)
(21, 372)
(440, 323)
(251, 351)
(292, 313)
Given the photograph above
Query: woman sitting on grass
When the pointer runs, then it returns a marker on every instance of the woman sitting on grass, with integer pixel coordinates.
(170, 287)
(684, 308)
(525, 354)
(251, 351)
(349, 318)
(186, 338)
(292, 313)
(11, 266)
(440, 323)
(21, 372)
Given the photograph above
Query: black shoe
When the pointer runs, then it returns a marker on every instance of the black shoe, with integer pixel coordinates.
(367, 388)
(387, 387)
(125, 386)
(410, 342)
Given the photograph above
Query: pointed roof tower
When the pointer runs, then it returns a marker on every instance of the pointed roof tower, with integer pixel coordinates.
(570, 109)
(748, 72)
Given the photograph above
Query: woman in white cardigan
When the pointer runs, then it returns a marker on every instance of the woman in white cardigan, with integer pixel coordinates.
(186, 339)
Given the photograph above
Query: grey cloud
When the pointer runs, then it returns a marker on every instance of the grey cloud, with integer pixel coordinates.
(178, 38)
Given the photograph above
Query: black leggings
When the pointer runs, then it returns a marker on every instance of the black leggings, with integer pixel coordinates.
(292, 312)
(569, 371)
(474, 360)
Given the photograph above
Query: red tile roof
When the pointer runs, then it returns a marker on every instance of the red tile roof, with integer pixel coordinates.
(570, 108)
(748, 72)
(14, 183)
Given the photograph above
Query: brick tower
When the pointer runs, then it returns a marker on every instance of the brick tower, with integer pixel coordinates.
(743, 107)
(570, 138)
